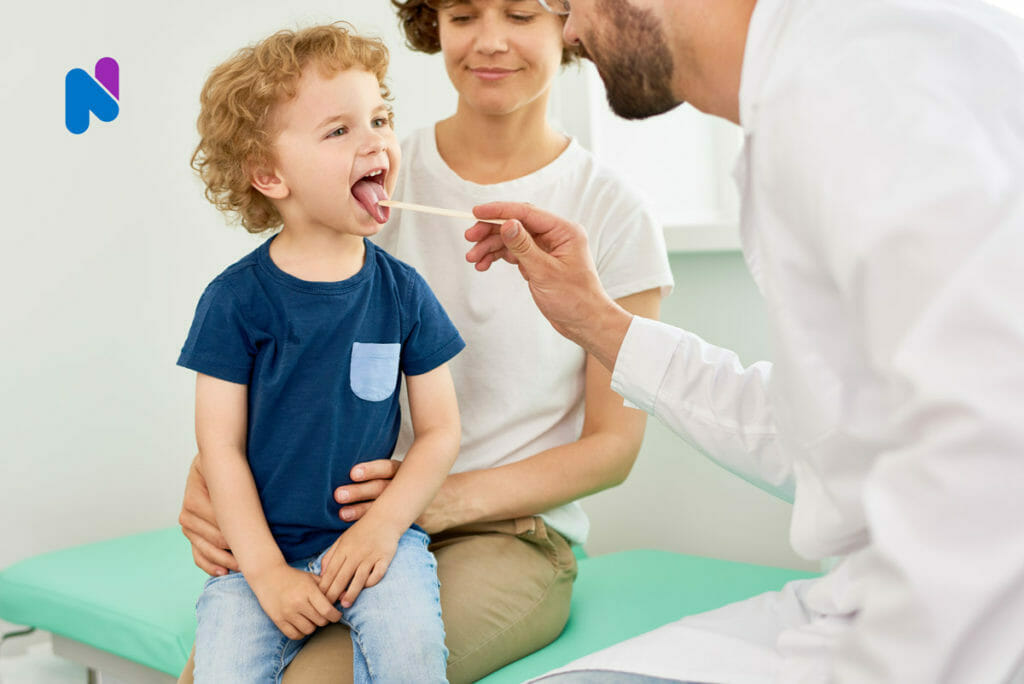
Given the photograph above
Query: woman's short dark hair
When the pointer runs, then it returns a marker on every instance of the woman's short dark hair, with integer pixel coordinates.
(419, 22)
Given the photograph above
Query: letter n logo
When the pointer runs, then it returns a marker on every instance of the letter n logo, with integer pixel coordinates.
(84, 94)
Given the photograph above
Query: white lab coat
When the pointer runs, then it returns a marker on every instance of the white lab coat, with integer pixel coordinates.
(883, 220)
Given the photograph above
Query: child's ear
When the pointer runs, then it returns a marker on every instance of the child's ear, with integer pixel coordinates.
(268, 182)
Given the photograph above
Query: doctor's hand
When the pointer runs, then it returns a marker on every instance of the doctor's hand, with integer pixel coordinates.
(554, 257)
(371, 478)
(199, 525)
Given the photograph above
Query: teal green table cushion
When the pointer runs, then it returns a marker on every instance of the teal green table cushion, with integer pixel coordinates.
(621, 595)
(135, 596)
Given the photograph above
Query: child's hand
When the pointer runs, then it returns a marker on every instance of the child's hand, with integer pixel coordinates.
(357, 560)
(291, 599)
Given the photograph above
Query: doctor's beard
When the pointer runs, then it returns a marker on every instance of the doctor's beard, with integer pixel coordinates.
(634, 62)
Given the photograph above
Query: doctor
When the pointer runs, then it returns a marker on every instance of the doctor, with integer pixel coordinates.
(883, 219)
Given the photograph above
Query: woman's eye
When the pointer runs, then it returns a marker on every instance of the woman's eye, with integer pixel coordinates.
(521, 18)
(337, 132)
(459, 18)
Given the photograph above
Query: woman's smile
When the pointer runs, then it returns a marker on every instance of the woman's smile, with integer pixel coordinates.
(492, 73)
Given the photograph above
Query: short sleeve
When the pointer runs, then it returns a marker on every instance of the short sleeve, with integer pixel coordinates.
(429, 337)
(629, 250)
(218, 342)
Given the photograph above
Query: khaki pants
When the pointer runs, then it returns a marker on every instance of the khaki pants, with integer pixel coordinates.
(505, 590)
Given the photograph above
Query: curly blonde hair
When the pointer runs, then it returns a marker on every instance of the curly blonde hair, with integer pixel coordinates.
(235, 131)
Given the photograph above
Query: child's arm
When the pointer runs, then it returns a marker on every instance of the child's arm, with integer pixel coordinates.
(362, 553)
(289, 597)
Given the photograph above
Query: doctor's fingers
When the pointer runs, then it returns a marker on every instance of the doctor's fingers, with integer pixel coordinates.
(537, 221)
(480, 231)
(488, 243)
(488, 234)
(485, 263)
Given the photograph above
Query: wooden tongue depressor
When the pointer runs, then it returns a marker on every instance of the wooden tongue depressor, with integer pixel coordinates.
(436, 210)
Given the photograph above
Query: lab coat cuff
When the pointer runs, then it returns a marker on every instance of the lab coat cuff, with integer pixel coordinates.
(643, 362)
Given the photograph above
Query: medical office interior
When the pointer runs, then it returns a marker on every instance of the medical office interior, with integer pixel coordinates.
(109, 243)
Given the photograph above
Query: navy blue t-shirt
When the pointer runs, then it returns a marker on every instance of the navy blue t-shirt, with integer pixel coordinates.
(322, 363)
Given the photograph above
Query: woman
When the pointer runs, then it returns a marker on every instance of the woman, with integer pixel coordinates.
(543, 429)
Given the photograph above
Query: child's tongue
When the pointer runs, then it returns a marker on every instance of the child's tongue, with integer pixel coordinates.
(368, 193)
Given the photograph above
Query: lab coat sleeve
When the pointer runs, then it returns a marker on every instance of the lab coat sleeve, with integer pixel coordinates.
(705, 395)
(923, 233)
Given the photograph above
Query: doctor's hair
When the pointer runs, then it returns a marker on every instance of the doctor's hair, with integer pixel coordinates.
(418, 19)
(236, 129)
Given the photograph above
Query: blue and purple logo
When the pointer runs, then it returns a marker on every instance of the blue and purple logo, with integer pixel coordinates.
(84, 94)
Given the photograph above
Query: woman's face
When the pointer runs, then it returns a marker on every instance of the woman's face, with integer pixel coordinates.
(501, 55)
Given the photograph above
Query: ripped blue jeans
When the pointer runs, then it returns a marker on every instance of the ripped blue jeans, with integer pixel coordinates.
(397, 633)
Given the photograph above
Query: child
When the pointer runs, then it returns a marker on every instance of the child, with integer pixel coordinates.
(298, 349)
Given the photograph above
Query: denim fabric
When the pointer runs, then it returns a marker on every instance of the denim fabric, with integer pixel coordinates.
(396, 626)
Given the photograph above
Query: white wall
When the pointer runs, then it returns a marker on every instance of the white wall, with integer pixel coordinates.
(109, 243)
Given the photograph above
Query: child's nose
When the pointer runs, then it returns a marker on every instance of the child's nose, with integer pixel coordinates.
(373, 143)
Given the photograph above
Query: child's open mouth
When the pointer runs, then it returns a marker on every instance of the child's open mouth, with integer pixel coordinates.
(369, 190)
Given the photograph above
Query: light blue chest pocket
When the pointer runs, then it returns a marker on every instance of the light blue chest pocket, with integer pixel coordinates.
(374, 370)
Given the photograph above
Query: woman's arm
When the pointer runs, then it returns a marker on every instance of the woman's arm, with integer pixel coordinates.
(199, 525)
(601, 458)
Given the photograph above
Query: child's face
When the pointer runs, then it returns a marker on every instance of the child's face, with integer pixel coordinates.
(332, 135)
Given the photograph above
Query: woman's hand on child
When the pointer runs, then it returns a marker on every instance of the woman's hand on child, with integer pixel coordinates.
(371, 478)
(291, 598)
(358, 559)
(199, 525)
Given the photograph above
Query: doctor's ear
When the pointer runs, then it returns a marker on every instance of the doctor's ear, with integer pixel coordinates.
(267, 181)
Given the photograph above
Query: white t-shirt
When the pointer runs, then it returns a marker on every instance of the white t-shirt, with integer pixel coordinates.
(519, 383)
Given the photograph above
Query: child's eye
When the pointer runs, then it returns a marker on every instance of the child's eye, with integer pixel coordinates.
(337, 132)
(381, 122)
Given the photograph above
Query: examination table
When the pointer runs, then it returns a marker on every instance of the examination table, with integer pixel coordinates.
(126, 606)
